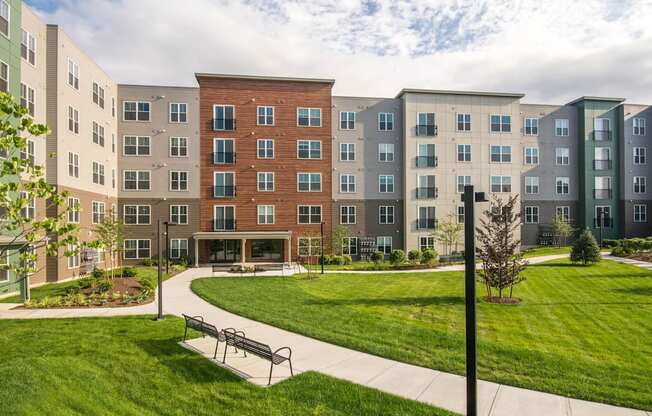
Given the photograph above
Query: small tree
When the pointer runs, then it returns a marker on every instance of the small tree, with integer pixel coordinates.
(502, 263)
(337, 239)
(397, 257)
(561, 230)
(429, 256)
(585, 249)
(110, 237)
(414, 256)
(449, 232)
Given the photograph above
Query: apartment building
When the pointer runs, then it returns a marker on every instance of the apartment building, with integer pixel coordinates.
(368, 173)
(158, 162)
(267, 189)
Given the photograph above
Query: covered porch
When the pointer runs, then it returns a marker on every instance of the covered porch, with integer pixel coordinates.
(242, 247)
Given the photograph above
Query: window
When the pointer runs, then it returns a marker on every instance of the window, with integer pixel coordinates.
(178, 180)
(464, 122)
(602, 128)
(347, 120)
(350, 246)
(531, 155)
(28, 47)
(28, 212)
(309, 182)
(639, 125)
(426, 157)
(265, 181)
(113, 142)
(347, 152)
(265, 148)
(426, 124)
(73, 119)
(309, 149)
(73, 210)
(28, 152)
(4, 77)
(501, 184)
(98, 212)
(224, 217)
(501, 154)
(112, 107)
(136, 180)
(98, 95)
(74, 256)
(27, 98)
(347, 214)
(639, 184)
(347, 183)
(385, 121)
(640, 213)
(309, 246)
(98, 134)
(561, 127)
(73, 74)
(309, 214)
(179, 214)
(602, 187)
(500, 123)
(531, 185)
(562, 155)
(308, 117)
(531, 126)
(426, 218)
(640, 155)
(562, 185)
(223, 151)
(178, 248)
(386, 183)
(386, 152)
(463, 152)
(426, 243)
(265, 115)
(462, 181)
(4, 261)
(460, 214)
(178, 147)
(384, 245)
(386, 214)
(224, 184)
(178, 113)
(98, 173)
(5, 16)
(136, 214)
(563, 213)
(531, 215)
(265, 214)
(136, 249)
(136, 110)
(113, 178)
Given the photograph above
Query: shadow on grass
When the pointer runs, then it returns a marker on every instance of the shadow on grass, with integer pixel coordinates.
(641, 290)
(425, 301)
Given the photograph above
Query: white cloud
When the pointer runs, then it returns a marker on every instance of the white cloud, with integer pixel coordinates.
(553, 51)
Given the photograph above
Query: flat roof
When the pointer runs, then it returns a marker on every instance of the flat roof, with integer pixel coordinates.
(157, 86)
(594, 98)
(453, 92)
(264, 78)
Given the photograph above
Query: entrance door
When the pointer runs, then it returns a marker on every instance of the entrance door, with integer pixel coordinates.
(267, 250)
(225, 251)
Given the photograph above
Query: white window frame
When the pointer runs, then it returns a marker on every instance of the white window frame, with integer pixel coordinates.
(466, 122)
(531, 217)
(310, 118)
(101, 179)
(559, 150)
(177, 249)
(641, 215)
(180, 180)
(137, 248)
(310, 207)
(74, 74)
(98, 91)
(534, 185)
(347, 117)
(461, 181)
(29, 42)
(74, 210)
(179, 215)
(641, 157)
(502, 155)
(502, 184)
(310, 181)
(265, 181)
(533, 156)
(98, 212)
(313, 249)
(387, 184)
(464, 153)
(178, 113)
(73, 261)
(266, 209)
(501, 124)
(348, 212)
(345, 149)
(73, 118)
(389, 151)
(565, 184)
(137, 102)
(563, 212)
(178, 146)
(641, 182)
(639, 126)
(387, 215)
(387, 121)
(426, 242)
(138, 180)
(347, 244)
(6, 7)
(138, 214)
(266, 149)
(534, 126)
(310, 149)
(137, 154)
(265, 115)
(562, 127)
(385, 240)
(347, 183)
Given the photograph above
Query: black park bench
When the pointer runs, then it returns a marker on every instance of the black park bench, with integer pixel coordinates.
(239, 340)
(197, 323)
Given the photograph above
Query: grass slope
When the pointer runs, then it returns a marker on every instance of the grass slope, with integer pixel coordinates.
(580, 331)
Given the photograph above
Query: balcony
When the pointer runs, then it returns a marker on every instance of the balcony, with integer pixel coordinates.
(602, 135)
(429, 192)
(223, 158)
(224, 191)
(224, 224)
(426, 130)
(602, 164)
(427, 161)
(602, 193)
(607, 222)
(426, 224)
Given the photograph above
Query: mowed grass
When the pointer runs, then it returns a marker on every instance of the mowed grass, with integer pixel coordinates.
(584, 332)
(134, 366)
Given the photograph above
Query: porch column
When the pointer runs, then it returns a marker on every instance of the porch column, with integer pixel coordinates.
(243, 245)
(196, 252)
(289, 243)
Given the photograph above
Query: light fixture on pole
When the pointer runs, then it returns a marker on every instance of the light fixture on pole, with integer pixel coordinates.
(167, 246)
(159, 317)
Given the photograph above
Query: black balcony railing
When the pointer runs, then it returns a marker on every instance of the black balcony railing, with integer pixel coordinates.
(605, 222)
(220, 158)
(427, 161)
(429, 192)
(426, 130)
(426, 224)
(602, 135)
(602, 164)
(602, 193)
(224, 224)
(224, 191)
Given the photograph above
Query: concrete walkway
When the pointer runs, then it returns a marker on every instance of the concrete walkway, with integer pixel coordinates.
(429, 386)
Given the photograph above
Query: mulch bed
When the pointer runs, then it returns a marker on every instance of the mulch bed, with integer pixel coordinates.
(502, 301)
(641, 256)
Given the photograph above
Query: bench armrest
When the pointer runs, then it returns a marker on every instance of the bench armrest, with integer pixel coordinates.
(284, 348)
(233, 331)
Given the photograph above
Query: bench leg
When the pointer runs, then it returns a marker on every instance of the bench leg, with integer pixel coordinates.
(226, 346)
(216, 345)
(291, 372)
(185, 333)
(271, 367)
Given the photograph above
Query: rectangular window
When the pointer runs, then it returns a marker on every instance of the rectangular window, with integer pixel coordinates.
(385, 152)
(265, 148)
(426, 157)
(602, 129)
(136, 214)
(178, 248)
(350, 246)
(640, 183)
(28, 212)
(265, 214)
(386, 214)
(308, 149)
(178, 147)
(98, 212)
(136, 180)
(531, 185)
(426, 124)
(98, 95)
(73, 210)
(308, 117)
(178, 112)
(460, 214)
(347, 152)
(531, 126)
(640, 213)
(462, 181)
(309, 214)
(74, 256)
(562, 155)
(224, 184)
(223, 117)
(73, 165)
(426, 242)
(501, 184)
(563, 213)
(73, 119)
(223, 151)
(179, 214)
(98, 134)
(136, 249)
(28, 152)
(500, 123)
(639, 126)
(98, 173)
(426, 218)
(501, 154)
(136, 110)
(384, 244)
(347, 183)
(265, 115)
(347, 214)
(28, 47)
(347, 120)
(602, 187)
(309, 182)
(224, 217)
(265, 181)
(113, 178)
(4, 76)
(73, 74)
(309, 246)
(531, 215)
(464, 122)
(561, 127)
(562, 185)
(640, 155)
(426, 188)
(531, 155)
(385, 121)
(27, 98)
(463, 152)
(386, 183)
(178, 180)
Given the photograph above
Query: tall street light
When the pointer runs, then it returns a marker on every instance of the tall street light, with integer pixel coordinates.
(167, 246)
(322, 246)
(159, 317)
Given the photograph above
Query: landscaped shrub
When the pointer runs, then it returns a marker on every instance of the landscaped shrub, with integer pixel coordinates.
(377, 257)
(128, 272)
(347, 259)
(86, 282)
(620, 251)
(429, 256)
(104, 285)
(414, 256)
(397, 257)
(148, 262)
(585, 249)
(337, 260)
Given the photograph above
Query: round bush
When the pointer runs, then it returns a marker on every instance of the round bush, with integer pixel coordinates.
(347, 259)
(377, 257)
(429, 256)
(414, 256)
(337, 260)
(397, 257)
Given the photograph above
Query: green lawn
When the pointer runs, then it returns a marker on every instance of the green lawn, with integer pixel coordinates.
(546, 251)
(585, 332)
(134, 366)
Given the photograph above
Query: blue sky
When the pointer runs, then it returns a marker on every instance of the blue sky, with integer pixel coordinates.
(552, 50)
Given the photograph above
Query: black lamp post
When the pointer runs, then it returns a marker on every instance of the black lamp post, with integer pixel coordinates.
(321, 258)
(160, 273)
(167, 246)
